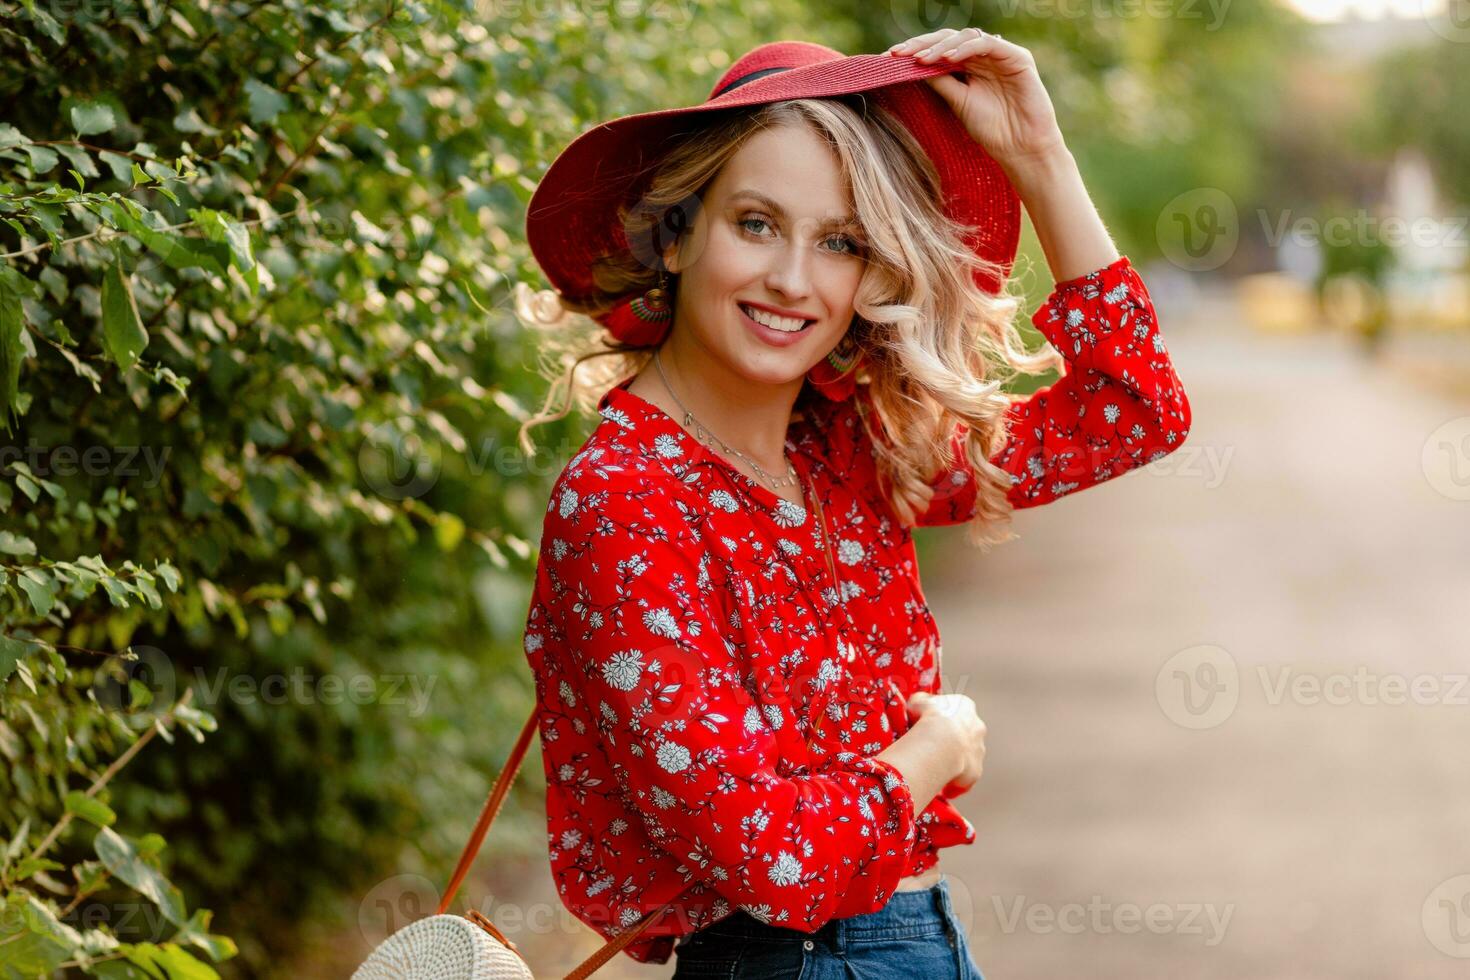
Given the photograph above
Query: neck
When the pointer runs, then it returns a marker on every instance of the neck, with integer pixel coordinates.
(752, 418)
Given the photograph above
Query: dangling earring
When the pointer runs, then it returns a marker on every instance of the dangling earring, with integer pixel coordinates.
(643, 320)
(836, 374)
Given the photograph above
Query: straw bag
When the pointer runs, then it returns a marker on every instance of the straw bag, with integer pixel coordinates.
(469, 947)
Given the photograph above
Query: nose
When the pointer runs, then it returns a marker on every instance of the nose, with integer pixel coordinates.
(790, 274)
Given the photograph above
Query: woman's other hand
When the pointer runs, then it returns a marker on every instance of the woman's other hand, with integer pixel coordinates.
(960, 730)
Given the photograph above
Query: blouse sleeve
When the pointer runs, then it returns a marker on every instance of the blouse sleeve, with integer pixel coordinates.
(1118, 405)
(635, 598)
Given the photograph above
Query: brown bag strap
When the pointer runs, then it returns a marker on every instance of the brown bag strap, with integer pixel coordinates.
(477, 838)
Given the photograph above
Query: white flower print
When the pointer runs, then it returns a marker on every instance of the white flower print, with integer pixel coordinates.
(568, 696)
(571, 838)
(667, 446)
(660, 622)
(850, 552)
(618, 417)
(633, 566)
(827, 672)
(673, 757)
(785, 870)
(788, 546)
(1111, 413)
(624, 670)
(533, 642)
(568, 502)
(774, 717)
(559, 549)
(753, 720)
(721, 500)
(788, 514)
(663, 799)
(761, 912)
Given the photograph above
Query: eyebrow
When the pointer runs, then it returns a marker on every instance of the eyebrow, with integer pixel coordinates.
(846, 221)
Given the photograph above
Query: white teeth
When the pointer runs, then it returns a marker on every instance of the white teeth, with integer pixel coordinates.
(785, 324)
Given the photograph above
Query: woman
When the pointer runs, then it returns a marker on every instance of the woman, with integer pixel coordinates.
(736, 671)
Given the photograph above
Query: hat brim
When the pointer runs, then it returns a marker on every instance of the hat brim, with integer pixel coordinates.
(572, 216)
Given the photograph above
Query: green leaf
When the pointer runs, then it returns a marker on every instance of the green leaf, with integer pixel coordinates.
(121, 166)
(13, 286)
(126, 863)
(195, 718)
(90, 809)
(16, 544)
(31, 866)
(92, 117)
(39, 587)
(11, 650)
(189, 121)
(265, 102)
(43, 158)
(179, 964)
(196, 933)
(121, 325)
(48, 24)
(80, 159)
(448, 531)
(33, 941)
(169, 574)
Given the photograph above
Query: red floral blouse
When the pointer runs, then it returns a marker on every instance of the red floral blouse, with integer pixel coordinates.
(710, 698)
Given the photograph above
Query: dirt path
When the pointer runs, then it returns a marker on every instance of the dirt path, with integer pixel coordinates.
(1218, 824)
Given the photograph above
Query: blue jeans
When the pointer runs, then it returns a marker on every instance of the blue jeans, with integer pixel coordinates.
(916, 936)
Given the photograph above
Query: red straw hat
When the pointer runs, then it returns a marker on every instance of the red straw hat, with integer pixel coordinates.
(572, 218)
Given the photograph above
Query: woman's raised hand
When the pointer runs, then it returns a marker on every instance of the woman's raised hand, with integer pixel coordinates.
(1002, 102)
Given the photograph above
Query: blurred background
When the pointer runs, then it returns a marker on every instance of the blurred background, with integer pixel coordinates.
(266, 537)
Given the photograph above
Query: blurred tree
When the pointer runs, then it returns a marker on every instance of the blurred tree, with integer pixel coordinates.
(1418, 98)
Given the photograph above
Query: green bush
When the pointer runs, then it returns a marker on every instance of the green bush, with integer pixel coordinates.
(260, 384)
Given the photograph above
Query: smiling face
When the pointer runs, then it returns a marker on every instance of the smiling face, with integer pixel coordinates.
(775, 267)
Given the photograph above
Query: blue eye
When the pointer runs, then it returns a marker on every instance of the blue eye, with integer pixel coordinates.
(853, 248)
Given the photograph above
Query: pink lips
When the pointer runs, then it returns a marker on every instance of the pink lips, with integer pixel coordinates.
(775, 338)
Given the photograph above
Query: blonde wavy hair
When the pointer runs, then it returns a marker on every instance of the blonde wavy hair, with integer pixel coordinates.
(937, 348)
